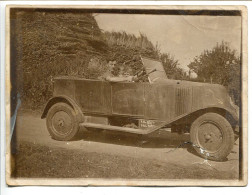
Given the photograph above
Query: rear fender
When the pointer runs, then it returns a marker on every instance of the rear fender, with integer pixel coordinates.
(66, 100)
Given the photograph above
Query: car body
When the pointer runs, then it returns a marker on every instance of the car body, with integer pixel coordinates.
(144, 107)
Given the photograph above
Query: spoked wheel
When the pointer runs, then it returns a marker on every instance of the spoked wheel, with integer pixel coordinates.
(212, 136)
(62, 122)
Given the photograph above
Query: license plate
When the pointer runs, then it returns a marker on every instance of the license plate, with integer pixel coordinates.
(146, 123)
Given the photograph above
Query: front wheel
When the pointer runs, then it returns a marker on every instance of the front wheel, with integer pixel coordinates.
(62, 122)
(212, 136)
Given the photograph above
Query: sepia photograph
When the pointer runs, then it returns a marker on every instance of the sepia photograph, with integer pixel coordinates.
(126, 95)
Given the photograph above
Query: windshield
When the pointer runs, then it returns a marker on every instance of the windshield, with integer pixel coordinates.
(150, 65)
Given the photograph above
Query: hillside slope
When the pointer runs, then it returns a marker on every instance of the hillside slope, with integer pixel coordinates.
(47, 43)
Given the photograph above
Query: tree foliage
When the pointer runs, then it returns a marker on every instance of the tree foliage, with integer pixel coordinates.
(172, 68)
(219, 65)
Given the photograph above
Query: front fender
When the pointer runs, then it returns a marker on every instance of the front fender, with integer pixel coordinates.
(230, 114)
(213, 96)
(66, 100)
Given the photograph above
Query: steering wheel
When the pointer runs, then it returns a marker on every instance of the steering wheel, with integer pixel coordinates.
(142, 74)
(139, 75)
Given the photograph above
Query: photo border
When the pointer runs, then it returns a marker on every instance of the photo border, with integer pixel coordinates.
(135, 182)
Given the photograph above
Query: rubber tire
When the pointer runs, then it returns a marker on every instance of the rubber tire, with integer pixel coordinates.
(227, 132)
(70, 111)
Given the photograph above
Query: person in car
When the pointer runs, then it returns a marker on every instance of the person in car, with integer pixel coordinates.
(122, 76)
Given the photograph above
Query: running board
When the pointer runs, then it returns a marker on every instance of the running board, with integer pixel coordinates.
(117, 128)
(131, 130)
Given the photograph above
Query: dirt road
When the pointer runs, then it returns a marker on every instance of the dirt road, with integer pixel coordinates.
(161, 146)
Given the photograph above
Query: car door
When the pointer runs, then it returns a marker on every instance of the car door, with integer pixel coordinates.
(127, 99)
(94, 96)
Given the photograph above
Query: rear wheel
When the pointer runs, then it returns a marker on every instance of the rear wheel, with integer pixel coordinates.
(212, 136)
(62, 122)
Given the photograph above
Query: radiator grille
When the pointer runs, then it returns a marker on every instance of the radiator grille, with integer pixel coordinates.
(182, 102)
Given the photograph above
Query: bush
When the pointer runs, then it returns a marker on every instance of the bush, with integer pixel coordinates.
(220, 65)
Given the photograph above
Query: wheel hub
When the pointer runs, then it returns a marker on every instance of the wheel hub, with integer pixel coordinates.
(210, 137)
(62, 122)
(207, 137)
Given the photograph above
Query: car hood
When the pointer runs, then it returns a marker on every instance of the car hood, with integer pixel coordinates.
(205, 95)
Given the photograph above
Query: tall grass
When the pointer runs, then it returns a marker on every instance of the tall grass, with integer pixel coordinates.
(130, 41)
(127, 48)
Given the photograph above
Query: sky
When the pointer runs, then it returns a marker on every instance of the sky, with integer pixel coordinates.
(184, 37)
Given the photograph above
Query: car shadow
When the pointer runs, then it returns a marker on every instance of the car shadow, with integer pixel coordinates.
(158, 139)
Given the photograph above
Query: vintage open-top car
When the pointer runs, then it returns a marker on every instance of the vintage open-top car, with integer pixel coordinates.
(203, 110)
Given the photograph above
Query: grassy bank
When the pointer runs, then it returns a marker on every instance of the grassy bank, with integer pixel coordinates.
(35, 161)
